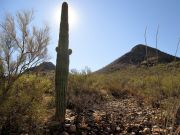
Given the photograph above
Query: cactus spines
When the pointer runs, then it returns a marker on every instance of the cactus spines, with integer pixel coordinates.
(62, 65)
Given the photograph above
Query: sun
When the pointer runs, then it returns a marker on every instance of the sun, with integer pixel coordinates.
(73, 18)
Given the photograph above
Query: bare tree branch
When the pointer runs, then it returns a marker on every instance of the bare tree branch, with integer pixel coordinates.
(21, 45)
(157, 33)
(145, 38)
(177, 49)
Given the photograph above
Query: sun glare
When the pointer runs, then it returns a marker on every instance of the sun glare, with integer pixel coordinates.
(73, 18)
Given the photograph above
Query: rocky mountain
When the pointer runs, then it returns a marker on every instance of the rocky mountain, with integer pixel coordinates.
(138, 56)
(43, 67)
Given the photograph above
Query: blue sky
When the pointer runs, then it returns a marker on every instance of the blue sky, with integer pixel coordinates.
(103, 30)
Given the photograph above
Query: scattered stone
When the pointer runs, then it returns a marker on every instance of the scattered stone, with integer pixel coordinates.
(118, 129)
(83, 126)
(146, 131)
(64, 133)
(178, 116)
(158, 130)
(72, 129)
(83, 133)
(177, 132)
(67, 125)
(141, 132)
(155, 133)
(108, 129)
(67, 120)
(113, 127)
(88, 128)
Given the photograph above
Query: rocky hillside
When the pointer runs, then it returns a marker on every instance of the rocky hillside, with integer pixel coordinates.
(43, 67)
(115, 118)
(137, 56)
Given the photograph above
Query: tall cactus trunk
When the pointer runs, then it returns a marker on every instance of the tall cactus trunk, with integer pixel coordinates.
(62, 65)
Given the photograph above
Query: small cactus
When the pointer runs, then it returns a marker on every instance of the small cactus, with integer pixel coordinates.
(62, 65)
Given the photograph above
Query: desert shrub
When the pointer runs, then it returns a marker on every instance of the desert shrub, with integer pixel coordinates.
(153, 84)
(170, 108)
(24, 110)
(84, 90)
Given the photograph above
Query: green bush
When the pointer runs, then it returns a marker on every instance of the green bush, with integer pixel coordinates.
(24, 108)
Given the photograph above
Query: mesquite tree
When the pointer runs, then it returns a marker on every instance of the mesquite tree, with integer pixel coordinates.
(62, 65)
(2, 78)
(22, 46)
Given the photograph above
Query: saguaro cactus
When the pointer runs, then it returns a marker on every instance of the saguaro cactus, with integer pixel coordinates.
(62, 65)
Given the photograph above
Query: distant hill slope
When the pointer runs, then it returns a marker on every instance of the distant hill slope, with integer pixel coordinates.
(137, 56)
(43, 67)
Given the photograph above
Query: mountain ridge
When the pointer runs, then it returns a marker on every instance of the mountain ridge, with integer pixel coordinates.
(43, 67)
(135, 57)
(138, 56)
